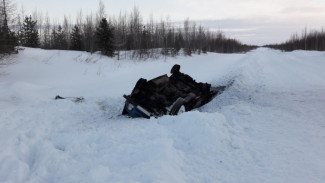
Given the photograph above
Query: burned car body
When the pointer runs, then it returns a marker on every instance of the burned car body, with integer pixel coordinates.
(168, 95)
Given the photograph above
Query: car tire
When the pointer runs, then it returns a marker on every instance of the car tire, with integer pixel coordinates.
(175, 69)
(178, 107)
(140, 83)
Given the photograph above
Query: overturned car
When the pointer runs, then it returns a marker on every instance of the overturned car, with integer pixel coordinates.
(168, 95)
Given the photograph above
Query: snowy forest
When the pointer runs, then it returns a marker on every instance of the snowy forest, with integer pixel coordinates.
(111, 34)
(313, 40)
(129, 32)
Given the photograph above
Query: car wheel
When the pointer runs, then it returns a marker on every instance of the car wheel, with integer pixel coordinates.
(140, 83)
(175, 69)
(178, 107)
(181, 110)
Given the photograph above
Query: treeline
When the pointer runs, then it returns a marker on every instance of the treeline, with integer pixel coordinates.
(313, 40)
(126, 32)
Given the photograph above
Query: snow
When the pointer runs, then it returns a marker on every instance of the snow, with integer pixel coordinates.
(269, 126)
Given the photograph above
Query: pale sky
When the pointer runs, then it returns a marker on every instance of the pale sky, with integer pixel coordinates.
(250, 21)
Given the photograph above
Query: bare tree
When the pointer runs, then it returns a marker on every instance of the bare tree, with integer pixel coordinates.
(79, 19)
(89, 37)
(66, 32)
(305, 37)
(193, 35)
(40, 20)
(187, 41)
(47, 33)
(120, 34)
(8, 12)
(7, 38)
(100, 12)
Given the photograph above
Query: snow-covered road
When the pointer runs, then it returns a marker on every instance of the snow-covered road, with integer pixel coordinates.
(269, 126)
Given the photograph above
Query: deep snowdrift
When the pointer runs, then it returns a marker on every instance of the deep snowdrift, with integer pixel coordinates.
(268, 127)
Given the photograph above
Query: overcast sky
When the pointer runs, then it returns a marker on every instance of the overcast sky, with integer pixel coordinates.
(250, 21)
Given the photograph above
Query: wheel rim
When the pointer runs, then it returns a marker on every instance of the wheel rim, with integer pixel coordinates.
(181, 110)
